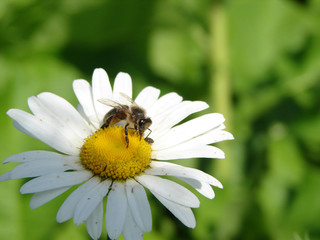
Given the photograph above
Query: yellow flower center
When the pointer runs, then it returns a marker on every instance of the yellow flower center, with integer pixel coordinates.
(107, 154)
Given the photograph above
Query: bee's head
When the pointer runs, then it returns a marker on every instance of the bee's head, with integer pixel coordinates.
(144, 124)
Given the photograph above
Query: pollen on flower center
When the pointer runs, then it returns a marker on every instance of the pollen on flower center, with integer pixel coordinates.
(106, 153)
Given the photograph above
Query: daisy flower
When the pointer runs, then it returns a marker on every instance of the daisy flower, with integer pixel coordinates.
(115, 161)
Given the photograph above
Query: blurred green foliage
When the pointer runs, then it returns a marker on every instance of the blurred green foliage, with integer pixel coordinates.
(257, 62)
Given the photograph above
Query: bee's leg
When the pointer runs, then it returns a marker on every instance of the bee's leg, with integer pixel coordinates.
(138, 130)
(110, 118)
(126, 133)
(106, 122)
(141, 133)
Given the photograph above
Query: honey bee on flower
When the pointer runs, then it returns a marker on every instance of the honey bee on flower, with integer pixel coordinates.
(115, 150)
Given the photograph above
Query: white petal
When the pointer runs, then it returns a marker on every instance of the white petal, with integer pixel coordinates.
(147, 97)
(94, 222)
(82, 113)
(179, 112)
(68, 207)
(28, 170)
(51, 135)
(32, 155)
(82, 89)
(116, 210)
(50, 119)
(101, 88)
(164, 103)
(139, 205)
(131, 230)
(202, 187)
(66, 113)
(188, 130)
(46, 156)
(122, 84)
(169, 190)
(41, 167)
(213, 136)
(171, 169)
(184, 214)
(90, 201)
(53, 181)
(38, 199)
(5, 177)
(22, 129)
(186, 150)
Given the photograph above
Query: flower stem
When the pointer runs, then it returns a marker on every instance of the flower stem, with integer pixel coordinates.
(220, 89)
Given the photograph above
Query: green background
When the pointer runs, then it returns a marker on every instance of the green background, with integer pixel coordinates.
(257, 62)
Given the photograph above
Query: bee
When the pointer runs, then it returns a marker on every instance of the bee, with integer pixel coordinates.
(133, 115)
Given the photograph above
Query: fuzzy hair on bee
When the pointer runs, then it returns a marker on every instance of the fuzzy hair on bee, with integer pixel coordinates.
(132, 114)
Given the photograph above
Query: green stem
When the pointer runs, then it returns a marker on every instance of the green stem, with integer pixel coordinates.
(220, 89)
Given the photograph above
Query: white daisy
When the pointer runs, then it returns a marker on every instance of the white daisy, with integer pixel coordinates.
(103, 164)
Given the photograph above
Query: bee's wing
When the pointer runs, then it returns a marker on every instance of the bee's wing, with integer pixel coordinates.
(126, 98)
(109, 102)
